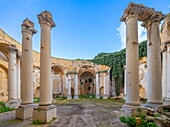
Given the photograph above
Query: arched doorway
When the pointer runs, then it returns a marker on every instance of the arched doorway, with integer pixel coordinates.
(57, 80)
(87, 85)
(3, 77)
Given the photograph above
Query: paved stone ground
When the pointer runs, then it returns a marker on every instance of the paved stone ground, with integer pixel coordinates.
(87, 113)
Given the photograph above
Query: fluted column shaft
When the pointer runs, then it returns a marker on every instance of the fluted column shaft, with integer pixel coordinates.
(132, 61)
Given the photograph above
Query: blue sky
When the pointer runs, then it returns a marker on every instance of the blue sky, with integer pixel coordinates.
(83, 29)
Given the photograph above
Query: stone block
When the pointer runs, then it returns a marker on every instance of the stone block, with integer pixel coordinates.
(155, 107)
(76, 97)
(45, 114)
(105, 96)
(69, 97)
(167, 101)
(13, 103)
(24, 112)
(128, 110)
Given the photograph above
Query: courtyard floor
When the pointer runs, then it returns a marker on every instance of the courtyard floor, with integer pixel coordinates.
(80, 113)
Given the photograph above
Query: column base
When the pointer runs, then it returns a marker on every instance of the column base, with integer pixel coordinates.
(45, 114)
(97, 96)
(20, 101)
(133, 103)
(105, 96)
(13, 103)
(24, 112)
(167, 101)
(69, 97)
(128, 110)
(158, 102)
(76, 97)
(155, 106)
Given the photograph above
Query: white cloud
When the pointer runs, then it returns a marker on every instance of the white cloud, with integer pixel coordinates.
(142, 33)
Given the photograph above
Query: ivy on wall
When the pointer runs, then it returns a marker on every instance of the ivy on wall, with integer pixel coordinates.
(117, 61)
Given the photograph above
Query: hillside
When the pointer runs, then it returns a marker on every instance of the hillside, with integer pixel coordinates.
(117, 61)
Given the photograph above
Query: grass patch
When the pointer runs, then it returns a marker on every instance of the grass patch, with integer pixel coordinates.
(37, 122)
(89, 96)
(4, 108)
(36, 99)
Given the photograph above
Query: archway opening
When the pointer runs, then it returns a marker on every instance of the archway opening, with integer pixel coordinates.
(57, 80)
(87, 83)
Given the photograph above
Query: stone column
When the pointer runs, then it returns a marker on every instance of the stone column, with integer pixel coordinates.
(167, 100)
(125, 82)
(46, 108)
(18, 78)
(132, 61)
(164, 74)
(76, 87)
(97, 86)
(12, 78)
(154, 87)
(105, 96)
(25, 111)
(108, 83)
(69, 87)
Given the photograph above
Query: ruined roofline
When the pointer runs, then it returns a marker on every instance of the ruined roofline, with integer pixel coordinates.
(143, 12)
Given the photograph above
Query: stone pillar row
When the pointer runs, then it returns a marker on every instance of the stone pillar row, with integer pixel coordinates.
(105, 82)
(154, 86)
(14, 97)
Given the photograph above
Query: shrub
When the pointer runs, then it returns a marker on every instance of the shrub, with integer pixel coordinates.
(4, 108)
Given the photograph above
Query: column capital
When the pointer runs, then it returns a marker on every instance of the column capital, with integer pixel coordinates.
(155, 17)
(12, 48)
(28, 26)
(46, 18)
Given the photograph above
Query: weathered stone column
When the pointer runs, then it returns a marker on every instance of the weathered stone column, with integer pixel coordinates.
(46, 108)
(154, 87)
(164, 73)
(76, 87)
(97, 86)
(18, 77)
(69, 87)
(132, 61)
(12, 78)
(167, 100)
(105, 96)
(25, 111)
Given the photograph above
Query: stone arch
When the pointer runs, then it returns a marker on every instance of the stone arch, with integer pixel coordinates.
(58, 79)
(4, 50)
(3, 83)
(87, 83)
